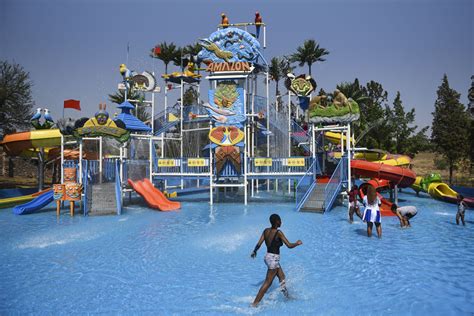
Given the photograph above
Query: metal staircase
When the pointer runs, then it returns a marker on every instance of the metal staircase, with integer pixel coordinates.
(315, 201)
(320, 198)
(102, 198)
(165, 120)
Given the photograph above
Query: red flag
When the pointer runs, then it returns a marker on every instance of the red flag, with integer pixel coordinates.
(72, 104)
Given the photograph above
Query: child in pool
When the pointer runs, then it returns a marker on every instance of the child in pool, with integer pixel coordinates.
(274, 239)
(461, 210)
(404, 214)
(353, 203)
(372, 211)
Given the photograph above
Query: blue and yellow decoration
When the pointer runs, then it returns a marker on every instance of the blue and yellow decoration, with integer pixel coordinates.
(226, 104)
(229, 45)
(102, 125)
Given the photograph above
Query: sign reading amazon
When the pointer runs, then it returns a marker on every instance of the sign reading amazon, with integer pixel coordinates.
(238, 66)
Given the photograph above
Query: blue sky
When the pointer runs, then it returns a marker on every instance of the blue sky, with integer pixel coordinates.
(72, 49)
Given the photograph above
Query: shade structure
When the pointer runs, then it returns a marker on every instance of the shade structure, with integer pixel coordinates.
(131, 122)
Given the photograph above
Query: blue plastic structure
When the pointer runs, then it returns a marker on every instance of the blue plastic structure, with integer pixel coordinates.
(35, 205)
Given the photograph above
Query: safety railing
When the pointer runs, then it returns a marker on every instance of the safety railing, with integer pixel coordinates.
(135, 169)
(182, 165)
(93, 166)
(301, 136)
(333, 187)
(279, 165)
(306, 185)
(165, 120)
(118, 187)
(278, 120)
(109, 169)
(85, 186)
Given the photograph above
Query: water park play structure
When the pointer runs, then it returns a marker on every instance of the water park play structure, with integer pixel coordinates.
(233, 139)
(433, 185)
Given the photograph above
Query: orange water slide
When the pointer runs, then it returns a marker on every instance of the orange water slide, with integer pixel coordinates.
(153, 197)
(160, 194)
(386, 207)
(384, 176)
(403, 177)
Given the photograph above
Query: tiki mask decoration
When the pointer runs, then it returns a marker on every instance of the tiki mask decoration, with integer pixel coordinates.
(58, 191)
(70, 175)
(301, 85)
(73, 191)
(229, 154)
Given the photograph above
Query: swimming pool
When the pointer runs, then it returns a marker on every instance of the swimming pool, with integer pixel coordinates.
(197, 261)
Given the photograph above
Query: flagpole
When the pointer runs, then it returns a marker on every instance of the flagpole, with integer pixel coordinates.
(128, 51)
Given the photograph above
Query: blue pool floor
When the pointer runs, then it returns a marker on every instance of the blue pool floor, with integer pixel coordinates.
(197, 261)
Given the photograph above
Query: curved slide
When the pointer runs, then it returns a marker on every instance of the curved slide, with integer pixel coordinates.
(35, 205)
(18, 144)
(433, 185)
(385, 175)
(153, 197)
(384, 158)
(402, 177)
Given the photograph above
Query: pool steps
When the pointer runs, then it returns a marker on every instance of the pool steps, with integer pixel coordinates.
(315, 202)
(103, 201)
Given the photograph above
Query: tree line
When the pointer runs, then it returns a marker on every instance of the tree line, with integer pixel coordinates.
(391, 127)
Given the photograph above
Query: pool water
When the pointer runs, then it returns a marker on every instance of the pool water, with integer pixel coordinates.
(197, 261)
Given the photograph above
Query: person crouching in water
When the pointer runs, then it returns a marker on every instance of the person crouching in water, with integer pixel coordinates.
(404, 214)
(353, 203)
(372, 211)
(274, 239)
(461, 210)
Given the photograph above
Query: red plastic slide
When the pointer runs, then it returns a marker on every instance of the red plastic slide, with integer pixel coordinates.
(403, 177)
(153, 197)
(385, 175)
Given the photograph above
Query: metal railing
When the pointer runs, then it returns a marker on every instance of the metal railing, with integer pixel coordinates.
(189, 165)
(135, 169)
(109, 169)
(85, 186)
(333, 187)
(118, 187)
(301, 136)
(306, 185)
(161, 120)
(278, 165)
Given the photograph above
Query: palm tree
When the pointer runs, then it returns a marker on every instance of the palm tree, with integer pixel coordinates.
(278, 69)
(178, 58)
(140, 111)
(193, 50)
(142, 114)
(309, 53)
(167, 53)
